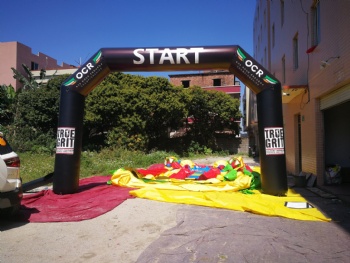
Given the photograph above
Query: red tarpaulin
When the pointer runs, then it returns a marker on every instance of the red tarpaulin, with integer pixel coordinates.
(93, 199)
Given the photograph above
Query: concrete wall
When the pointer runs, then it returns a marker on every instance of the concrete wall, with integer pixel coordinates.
(234, 145)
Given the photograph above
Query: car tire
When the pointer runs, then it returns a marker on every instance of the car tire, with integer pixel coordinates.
(10, 211)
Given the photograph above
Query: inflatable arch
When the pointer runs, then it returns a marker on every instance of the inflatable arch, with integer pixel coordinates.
(232, 58)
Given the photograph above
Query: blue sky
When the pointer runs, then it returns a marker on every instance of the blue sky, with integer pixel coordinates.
(73, 30)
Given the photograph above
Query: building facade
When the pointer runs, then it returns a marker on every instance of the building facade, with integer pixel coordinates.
(51, 73)
(14, 54)
(210, 80)
(304, 44)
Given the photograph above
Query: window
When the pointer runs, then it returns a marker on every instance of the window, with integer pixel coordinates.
(282, 12)
(216, 82)
(34, 66)
(315, 16)
(185, 83)
(284, 69)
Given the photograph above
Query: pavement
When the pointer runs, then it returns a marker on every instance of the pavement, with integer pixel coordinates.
(141, 230)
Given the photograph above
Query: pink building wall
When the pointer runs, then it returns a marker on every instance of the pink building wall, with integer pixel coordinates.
(14, 54)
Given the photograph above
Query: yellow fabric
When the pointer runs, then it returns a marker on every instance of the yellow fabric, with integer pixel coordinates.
(124, 177)
(220, 162)
(188, 163)
(256, 203)
(237, 162)
(216, 193)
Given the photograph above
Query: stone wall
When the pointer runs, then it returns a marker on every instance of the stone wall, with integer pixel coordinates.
(233, 145)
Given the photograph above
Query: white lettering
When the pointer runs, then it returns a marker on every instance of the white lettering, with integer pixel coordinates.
(196, 54)
(84, 71)
(254, 68)
(175, 56)
(260, 73)
(151, 54)
(141, 57)
(79, 75)
(181, 54)
(89, 66)
(248, 63)
(166, 55)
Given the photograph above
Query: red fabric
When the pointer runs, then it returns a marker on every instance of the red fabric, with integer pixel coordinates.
(182, 174)
(248, 168)
(153, 171)
(176, 165)
(212, 173)
(156, 166)
(221, 167)
(93, 198)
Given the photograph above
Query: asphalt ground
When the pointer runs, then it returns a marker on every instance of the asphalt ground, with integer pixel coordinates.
(141, 230)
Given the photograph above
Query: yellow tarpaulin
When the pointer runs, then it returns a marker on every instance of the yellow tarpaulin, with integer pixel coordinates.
(217, 193)
(256, 203)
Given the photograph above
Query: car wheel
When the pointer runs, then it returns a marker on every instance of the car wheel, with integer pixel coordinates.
(10, 211)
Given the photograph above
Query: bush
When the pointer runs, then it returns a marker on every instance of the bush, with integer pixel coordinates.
(35, 123)
(195, 148)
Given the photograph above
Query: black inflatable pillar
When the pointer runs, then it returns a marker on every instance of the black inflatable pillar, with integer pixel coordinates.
(271, 139)
(69, 142)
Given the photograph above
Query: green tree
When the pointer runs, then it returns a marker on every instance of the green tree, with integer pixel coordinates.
(27, 81)
(36, 119)
(212, 111)
(7, 105)
(130, 111)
